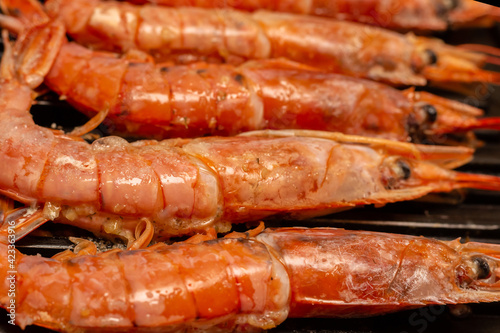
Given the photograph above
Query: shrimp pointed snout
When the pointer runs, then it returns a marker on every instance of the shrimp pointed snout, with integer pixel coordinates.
(413, 178)
(442, 63)
(433, 118)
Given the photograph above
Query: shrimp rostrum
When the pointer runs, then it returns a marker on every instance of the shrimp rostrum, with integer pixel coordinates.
(336, 46)
(392, 14)
(265, 278)
(143, 99)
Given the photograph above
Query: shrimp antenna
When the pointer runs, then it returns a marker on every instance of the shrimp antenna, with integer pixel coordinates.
(485, 123)
(12, 24)
(494, 52)
(492, 123)
(477, 181)
(459, 74)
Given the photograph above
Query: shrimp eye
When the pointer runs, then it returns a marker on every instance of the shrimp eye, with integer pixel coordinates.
(483, 268)
(394, 171)
(444, 7)
(452, 4)
(431, 113)
(405, 169)
(431, 56)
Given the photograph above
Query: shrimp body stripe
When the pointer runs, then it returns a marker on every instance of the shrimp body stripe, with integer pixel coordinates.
(169, 98)
(175, 291)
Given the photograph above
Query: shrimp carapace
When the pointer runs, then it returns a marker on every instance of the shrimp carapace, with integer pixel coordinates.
(233, 36)
(278, 273)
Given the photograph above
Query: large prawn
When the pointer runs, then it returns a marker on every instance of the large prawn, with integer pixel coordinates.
(186, 186)
(148, 100)
(335, 46)
(263, 277)
(393, 14)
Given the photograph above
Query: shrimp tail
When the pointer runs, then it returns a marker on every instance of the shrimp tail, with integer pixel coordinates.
(35, 50)
(22, 221)
(6, 205)
(33, 56)
(38, 42)
(29, 12)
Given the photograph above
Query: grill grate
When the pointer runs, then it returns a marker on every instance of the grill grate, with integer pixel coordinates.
(474, 218)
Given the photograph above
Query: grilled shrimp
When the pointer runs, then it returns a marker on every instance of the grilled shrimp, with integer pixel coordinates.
(186, 186)
(391, 14)
(335, 46)
(279, 273)
(159, 101)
